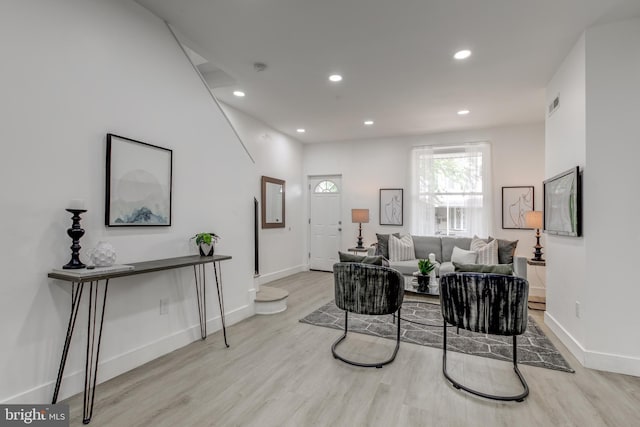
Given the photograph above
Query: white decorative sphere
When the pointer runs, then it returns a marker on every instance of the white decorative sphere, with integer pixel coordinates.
(104, 255)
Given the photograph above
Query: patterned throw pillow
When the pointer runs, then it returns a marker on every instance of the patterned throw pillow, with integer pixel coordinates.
(382, 248)
(462, 256)
(487, 252)
(401, 249)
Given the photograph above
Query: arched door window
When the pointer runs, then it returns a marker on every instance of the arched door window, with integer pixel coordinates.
(326, 187)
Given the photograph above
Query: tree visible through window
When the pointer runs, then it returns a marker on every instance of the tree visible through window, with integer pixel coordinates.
(451, 190)
(326, 187)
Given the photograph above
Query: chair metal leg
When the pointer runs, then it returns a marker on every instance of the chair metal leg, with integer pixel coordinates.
(518, 398)
(365, 365)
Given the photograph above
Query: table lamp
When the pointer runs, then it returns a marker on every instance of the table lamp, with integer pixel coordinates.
(359, 216)
(533, 219)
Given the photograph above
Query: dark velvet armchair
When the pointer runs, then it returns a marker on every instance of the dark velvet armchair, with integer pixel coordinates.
(367, 289)
(488, 303)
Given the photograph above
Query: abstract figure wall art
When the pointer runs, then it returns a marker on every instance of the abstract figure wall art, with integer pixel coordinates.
(516, 202)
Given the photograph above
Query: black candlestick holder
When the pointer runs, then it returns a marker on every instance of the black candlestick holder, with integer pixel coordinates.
(75, 232)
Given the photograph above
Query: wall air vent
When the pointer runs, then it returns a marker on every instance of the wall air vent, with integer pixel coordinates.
(554, 105)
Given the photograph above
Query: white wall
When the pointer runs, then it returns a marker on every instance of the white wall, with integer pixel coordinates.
(72, 71)
(565, 148)
(368, 165)
(278, 156)
(611, 203)
(596, 127)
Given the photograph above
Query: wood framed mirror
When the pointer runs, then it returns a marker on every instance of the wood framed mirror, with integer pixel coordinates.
(273, 214)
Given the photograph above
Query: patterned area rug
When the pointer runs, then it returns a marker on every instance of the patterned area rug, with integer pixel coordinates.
(534, 348)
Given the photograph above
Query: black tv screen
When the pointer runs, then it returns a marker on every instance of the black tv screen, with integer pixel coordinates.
(562, 200)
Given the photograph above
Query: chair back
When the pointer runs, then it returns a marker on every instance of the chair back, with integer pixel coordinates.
(483, 302)
(367, 289)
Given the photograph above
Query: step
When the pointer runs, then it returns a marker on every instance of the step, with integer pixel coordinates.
(271, 300)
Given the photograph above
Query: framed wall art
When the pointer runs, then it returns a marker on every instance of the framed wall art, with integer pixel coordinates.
(516, 202)
(138, 184)
(391, 206)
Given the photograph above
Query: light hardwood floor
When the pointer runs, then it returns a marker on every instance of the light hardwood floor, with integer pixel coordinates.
(279, 372)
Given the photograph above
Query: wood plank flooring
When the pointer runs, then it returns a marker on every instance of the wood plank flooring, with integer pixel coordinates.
(279, 372)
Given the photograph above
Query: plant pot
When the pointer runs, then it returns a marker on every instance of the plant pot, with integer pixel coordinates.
(423, 281)
(205, 249)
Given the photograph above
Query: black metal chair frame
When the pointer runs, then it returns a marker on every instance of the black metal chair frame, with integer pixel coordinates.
(365, 365)
(518, 398)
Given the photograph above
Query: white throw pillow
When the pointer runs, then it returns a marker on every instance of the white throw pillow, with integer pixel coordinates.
(401, 249)
(487, 252)
(462, 256)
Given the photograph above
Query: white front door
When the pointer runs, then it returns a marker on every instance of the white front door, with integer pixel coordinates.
(325, 225)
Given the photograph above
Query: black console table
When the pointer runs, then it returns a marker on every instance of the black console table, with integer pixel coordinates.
(91, 280)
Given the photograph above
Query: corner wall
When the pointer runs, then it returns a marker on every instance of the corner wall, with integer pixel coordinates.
(596, 128)
(565, 147)
(279, 156)
(611, 199)
(72, 72)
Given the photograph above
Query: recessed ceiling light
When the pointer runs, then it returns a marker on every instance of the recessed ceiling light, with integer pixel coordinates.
(463, 112)
(238, 93)
(368, 122)
(301, 130)
(462, 54)
(335, 78)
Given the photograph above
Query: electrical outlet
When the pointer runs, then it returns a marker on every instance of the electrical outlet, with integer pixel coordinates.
(578, 309)
(164, 306)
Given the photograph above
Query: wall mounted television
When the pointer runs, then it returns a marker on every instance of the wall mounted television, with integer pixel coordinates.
(562, 204)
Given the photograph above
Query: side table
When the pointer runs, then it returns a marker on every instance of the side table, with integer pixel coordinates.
(358, 250)
(537, 295)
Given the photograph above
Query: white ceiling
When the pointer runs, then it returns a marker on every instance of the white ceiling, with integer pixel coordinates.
(395, 56)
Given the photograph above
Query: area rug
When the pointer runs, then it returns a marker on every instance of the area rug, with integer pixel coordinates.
(534, 348)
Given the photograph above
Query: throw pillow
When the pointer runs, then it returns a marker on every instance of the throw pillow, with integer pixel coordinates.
(487, 252)
(382, 247)
(401, 249)
(462, 256)
(506, 250)
(363, 259)
(480, 268)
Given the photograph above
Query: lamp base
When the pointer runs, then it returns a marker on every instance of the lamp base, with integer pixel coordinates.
(537, 254)
(360, 245)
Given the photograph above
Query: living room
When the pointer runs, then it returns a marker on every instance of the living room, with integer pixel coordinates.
(75, 71)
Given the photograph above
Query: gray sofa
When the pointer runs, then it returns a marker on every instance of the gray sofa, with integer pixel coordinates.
(442, 247)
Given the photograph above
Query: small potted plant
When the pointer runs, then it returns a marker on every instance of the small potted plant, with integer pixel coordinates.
(425, 267)
(206, 243)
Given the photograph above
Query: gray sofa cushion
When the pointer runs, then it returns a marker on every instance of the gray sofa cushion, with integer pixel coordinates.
(383, 244)
(373, 260)
(445, 267)
(425, 245)
(448, 243)
(506, 249)
(483, 268)
(405, 267)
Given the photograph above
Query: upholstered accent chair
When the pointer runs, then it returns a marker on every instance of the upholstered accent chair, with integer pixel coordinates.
(487, 303)
(371, 290)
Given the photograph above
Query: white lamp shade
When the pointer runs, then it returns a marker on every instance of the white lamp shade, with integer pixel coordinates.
(533, 219)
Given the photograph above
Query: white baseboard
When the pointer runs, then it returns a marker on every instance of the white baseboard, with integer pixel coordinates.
(270, 277)
(613, 363)
(593, 359)
(567, 339)
(73, 382)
